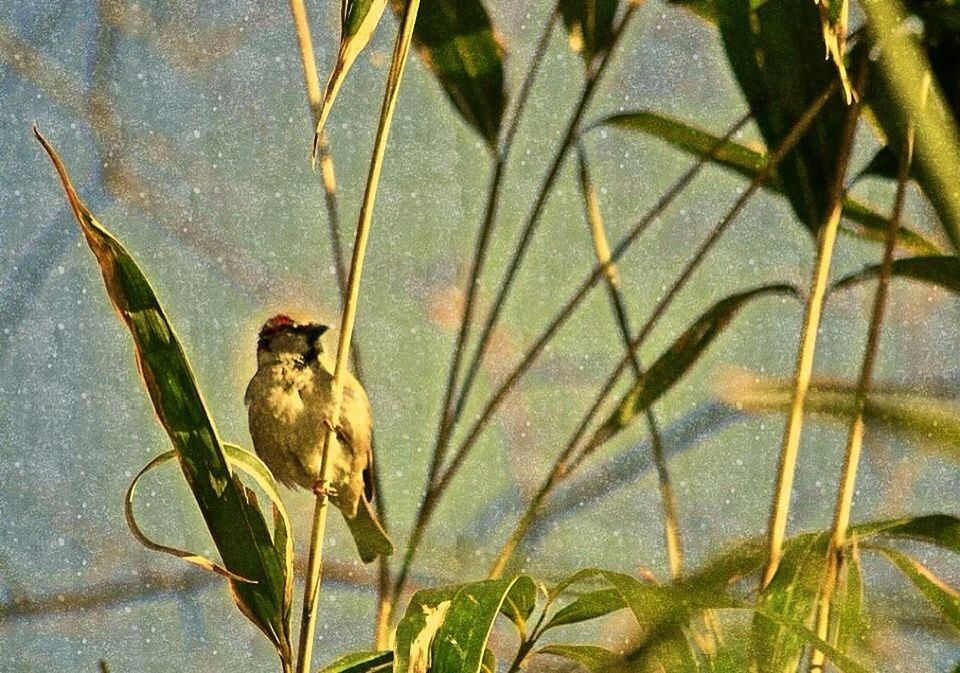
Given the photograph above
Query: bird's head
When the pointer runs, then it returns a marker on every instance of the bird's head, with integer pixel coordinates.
(282, 335)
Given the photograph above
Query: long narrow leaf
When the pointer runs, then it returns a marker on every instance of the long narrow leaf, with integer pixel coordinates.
(589, 24)
(236, 524)
(458, 43)
(941, 595)
(748, 161)
(942, 270)
(592, 658)
(677, 360)
(360, 662)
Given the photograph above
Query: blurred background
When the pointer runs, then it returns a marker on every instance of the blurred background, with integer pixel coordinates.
(186, 129)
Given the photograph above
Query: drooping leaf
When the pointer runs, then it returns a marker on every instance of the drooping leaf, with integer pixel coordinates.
(942, 270)
(592, 658)
(748, 161)
(940, 595)
(933, 422)
(776, 51)
(429, 610)
(236, 524)
(941, 530)
(458, 43)
(459, 644)
(590, 605)
(358, 21)
(589, 25)
(792, 596)
(360, 662)
(670, 367)
(895, 95)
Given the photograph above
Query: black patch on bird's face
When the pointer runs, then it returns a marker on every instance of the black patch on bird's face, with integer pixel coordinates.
(281, 324)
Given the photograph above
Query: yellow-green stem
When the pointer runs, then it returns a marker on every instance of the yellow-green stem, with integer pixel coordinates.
(315, 562)
(808, 344)
(851, 461)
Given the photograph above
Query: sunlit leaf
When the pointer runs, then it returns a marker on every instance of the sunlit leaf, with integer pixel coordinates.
(589, 25)
(359, 20)
(776, 51)
(933, 422)
(942, 270)
(592, 658)
(590, 605)
(458, 43)
(236, 524)
(748, 161)
(432, 608)
(903, 61)
(792, 596)
(459, 644)
(941, 595)
(360, 662)
(834, 17)
(670, 367)
(489, 663)
(847, 602)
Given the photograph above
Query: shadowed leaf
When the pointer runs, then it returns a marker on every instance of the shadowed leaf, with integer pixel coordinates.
(942, 270)
(458, 43)
(589, 24)
(594, 659)
(748, 161)
(236, 524)
(776, 51)
(590, 605)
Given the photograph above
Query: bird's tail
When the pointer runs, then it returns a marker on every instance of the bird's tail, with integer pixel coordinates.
(368, 533)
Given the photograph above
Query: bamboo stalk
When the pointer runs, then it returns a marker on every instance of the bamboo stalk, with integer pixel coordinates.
(808, 343)
(315, 560)
(311, 80)
(601, 244)
(848, 474)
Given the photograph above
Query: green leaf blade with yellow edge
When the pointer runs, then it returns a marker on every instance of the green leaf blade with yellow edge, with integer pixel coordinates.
(236, 524)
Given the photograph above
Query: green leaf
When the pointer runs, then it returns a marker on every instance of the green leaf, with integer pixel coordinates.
(236, 524)
(592, 658)
(941, 530)
(901, 66)
(941, 595)
(589, 24)
(459, 644)
(677, 360)
(834, 16)
(931, 421)
(489, 663)
(942, 270)
(429, 610)
(748, 161)
(847, 602)
(359, 20)
(792, 596)
(776, 51)
(360, 662)
(590, 605)
(458, 43)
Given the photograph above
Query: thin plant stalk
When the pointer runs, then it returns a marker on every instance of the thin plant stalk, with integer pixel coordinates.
(533, 219)
(311, 81)
(561, 467)
(315, 560)
(476, 270)
(826, 239)
(601, 245)
(434, 488)
(564, 466)
(848, 475)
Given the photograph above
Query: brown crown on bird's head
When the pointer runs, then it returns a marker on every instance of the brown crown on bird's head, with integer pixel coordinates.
(284, 324)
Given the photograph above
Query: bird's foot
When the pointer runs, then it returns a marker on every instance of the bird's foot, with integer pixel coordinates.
(322, 489)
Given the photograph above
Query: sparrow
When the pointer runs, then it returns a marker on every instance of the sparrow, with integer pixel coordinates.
(290, 403)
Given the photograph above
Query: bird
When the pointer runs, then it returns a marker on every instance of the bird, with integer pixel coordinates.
(290, 404)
